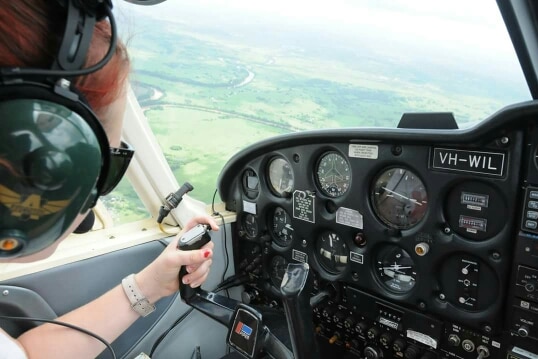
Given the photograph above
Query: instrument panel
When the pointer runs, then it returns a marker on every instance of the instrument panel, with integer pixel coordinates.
(423, 221)
(392, 224)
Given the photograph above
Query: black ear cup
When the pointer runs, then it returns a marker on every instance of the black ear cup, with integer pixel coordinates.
(54, 161)
(54, 153)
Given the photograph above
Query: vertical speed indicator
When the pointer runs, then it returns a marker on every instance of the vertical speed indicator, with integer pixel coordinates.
(333, 174)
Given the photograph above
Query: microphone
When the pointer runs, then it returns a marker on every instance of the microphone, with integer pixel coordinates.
(172, 201)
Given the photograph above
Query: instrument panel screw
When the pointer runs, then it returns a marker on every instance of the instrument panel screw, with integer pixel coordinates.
(487, 328)
(5, 293)
(355, 276)
(505, 140)
(446, 230)
(303, 243)
(442, 296)
(397, 150)
(422, 305)
(496, 255)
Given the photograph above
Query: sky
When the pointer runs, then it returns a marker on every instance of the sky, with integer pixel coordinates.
(452, 24)
(459, 33)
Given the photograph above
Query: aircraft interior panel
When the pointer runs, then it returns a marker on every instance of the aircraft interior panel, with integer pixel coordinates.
(423, 243)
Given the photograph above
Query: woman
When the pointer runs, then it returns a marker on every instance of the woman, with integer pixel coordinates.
(30, 32)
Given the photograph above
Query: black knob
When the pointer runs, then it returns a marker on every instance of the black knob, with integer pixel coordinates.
(399, 345)
(523, 331)
(349, 322)
(327, 312)
(412, 352)
(454, 340)
(372, 353)
(361, 328)
(339, 317)
(385, 339)
(373, 333)
(249, 296)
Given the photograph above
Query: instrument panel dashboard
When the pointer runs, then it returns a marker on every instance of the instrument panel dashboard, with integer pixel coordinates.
(424, 219)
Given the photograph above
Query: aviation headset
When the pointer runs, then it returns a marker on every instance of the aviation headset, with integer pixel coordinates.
(55, 159)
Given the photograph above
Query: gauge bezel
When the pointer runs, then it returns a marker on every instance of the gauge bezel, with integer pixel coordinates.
(335, 273)
(270, 220)
(269, 180)
(322, 189)
(375, 206)
(382, 283)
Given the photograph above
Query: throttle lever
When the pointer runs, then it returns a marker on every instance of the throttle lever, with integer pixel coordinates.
(296, 302)
(194, 238)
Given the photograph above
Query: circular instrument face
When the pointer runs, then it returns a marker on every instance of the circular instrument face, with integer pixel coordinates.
(396, 269)
(277, 269)
(281, 227)
(333, 174)
(399, 198)
(280, 176)
(332, 252)
(249, 225)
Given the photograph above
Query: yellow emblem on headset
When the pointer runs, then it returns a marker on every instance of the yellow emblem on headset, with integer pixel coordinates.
(31, 206)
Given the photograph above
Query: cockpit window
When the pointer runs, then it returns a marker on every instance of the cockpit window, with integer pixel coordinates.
(214, 76)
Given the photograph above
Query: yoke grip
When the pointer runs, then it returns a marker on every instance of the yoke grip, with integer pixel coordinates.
(194, 238)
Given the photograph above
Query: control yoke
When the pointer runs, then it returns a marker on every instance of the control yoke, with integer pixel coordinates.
(246, 331)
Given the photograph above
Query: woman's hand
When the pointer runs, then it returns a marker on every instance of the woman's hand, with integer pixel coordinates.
(160, 278)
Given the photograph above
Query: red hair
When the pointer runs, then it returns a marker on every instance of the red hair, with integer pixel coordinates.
(30, 35)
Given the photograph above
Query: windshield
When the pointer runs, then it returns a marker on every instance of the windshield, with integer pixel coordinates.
(214, 76)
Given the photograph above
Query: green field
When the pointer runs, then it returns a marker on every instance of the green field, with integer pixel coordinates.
(205, 115)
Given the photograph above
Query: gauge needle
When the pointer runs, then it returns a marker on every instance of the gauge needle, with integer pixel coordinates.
(396, 267)
(401, 195)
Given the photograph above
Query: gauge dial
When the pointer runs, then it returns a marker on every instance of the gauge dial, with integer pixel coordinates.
(332, 252)
(333, 174)
(399, 198)
(249, 225)
(281, 176)
(278, 265)
(281, 227)
(396, 269)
